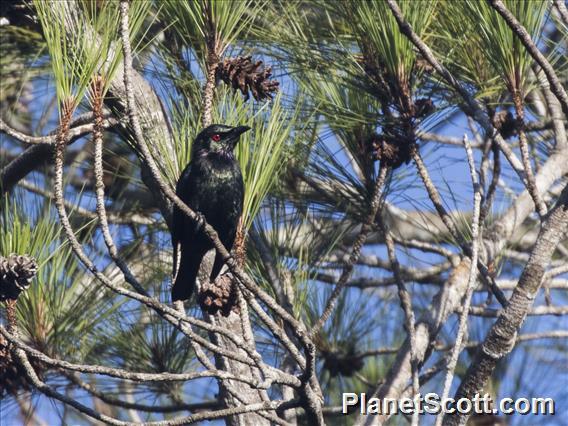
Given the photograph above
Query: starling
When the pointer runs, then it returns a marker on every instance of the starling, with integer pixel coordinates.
(212, 184)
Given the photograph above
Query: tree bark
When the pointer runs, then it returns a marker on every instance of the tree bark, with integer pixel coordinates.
(503, 334)
(231, 391)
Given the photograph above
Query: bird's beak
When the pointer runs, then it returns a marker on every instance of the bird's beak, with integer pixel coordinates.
(237, 132)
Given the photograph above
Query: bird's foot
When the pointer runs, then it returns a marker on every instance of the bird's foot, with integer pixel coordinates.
(178, 306)
(200, 222)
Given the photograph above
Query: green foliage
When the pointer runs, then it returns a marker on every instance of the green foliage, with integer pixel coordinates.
(306, 165)
(335, 98)
(194, 21)
(48, 312)
(482, 47)
(19, 236)
(93, 49)
(376, 27)
(503, 49)
(263, 153)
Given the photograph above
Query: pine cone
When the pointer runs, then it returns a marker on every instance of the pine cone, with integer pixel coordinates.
(247, 76)
(390, 151)
(423, 107)
(218, 296)
(342, 361)
(423, 65)
(16, 274)
(505, 123)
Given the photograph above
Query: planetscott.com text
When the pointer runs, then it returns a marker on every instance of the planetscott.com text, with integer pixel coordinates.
(432, 403)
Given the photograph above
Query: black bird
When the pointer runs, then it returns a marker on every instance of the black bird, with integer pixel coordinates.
(212, 184)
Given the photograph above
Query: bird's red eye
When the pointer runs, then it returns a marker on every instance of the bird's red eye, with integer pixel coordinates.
(216, 137)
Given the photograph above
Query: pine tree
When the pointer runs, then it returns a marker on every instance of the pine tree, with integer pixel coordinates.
(405, 194)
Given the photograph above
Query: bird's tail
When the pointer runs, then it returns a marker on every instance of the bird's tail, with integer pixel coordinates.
(185, 279)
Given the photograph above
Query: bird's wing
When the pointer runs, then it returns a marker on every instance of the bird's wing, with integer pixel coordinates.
(178, 221)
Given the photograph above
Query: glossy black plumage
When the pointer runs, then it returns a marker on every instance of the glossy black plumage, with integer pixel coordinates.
(211, 184)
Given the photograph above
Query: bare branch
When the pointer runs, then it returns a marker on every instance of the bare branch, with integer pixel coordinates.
(206, 415)
(561, 7)
(76, 131)
(97, 101)
(406, 305)
(114, 217)
(124, 374)
(556, 334)
(475, 237)
(502, 336)
(356, 250)
(482, 311)
(42, 152)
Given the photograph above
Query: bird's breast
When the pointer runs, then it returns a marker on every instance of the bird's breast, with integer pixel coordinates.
(219, 177)
(216, 191)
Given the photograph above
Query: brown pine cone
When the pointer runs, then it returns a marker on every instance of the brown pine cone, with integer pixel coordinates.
(218, 296)
(16, 274)
(247, 76)
(391, 152)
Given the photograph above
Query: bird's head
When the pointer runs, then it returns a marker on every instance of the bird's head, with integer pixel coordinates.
(217, 139)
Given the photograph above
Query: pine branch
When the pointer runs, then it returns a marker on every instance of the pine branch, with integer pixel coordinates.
(502, 336)
(375, 201)
(476, 232)
(527, 41)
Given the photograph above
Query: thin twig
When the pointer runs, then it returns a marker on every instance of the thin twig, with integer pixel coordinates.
(406, 305)
(75, 131)
(96, 93)
(212, 62)
(555, 110)
(525, 155)
(562, 269)
(475, 237)
(531, 126)
(356, 250)
(434, 194)
(490, 194)
(105, 397)
(482, 311)
(424, 246)
(555, 334)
